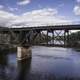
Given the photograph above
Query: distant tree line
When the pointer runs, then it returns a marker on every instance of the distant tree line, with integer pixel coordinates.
(74, 39)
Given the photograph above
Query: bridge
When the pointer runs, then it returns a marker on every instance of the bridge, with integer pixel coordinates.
(24, 37)
(27, 35)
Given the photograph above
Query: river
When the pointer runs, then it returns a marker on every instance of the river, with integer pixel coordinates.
(47, 63)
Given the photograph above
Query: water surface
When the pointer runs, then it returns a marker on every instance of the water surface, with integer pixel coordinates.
(47, 63)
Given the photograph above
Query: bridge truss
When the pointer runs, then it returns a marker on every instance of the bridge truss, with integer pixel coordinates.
(59, 35)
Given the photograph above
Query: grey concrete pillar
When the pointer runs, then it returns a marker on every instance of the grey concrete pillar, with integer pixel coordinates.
(23, 53)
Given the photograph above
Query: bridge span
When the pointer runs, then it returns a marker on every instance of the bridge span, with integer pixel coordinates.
(28, 36)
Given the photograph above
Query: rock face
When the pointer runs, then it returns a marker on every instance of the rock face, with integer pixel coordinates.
(23, 53)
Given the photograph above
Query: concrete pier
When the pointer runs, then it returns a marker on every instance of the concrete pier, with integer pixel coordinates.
(24, 52)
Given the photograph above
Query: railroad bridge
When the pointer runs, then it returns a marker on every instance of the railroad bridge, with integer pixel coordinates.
(28, 35)
(24, 37)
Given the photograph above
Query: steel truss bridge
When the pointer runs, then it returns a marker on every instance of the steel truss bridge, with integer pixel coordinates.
(30, 35)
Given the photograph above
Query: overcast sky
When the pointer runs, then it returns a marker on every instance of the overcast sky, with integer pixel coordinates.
(39, 12)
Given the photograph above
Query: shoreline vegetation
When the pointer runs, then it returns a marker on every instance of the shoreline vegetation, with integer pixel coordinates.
(75, 40)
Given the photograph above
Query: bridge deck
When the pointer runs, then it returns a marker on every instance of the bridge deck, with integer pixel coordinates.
(55, 27)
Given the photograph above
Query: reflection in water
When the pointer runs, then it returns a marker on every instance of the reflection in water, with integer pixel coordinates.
(3, 64)
(47, 63)
(9, 70)
(23, 69)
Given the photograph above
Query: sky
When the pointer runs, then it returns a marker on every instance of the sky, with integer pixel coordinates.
(28, 13)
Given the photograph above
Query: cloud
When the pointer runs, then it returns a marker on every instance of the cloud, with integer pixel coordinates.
(23, 2)
(39, 17)
(77, 10)
(45, 16)
(12, 9)
(5, 18)
(41, 12)
(78, 0)
(1, 6)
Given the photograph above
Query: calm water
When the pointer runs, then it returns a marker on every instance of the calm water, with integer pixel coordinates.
(47, 63)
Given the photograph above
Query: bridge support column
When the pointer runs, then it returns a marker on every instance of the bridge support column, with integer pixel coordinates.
(24, 52)
(47, 37)
(53, 37)
(66, 38)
